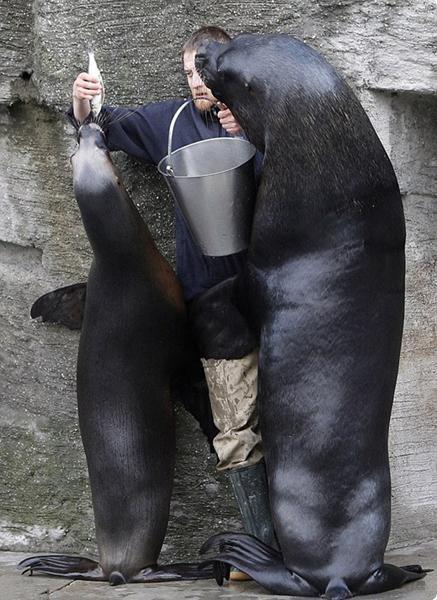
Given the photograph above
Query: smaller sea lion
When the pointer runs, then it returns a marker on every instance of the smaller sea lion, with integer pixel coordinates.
(133, 344)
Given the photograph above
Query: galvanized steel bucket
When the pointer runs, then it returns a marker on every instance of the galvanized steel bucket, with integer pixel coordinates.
(213, 183)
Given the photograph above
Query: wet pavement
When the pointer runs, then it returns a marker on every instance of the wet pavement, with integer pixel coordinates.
(14, 586)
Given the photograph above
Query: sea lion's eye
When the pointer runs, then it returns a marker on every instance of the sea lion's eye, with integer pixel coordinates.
(229, 76)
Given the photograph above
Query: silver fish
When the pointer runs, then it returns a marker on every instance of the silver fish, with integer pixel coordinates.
(96, 101)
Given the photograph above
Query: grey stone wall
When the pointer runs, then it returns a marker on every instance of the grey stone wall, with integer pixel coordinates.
(386, 50)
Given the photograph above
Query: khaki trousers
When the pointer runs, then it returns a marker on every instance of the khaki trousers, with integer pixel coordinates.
(232, 386)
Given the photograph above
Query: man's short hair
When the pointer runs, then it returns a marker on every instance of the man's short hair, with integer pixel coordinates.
(217, 34)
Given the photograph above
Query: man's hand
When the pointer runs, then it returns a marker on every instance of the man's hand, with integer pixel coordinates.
(227, 120)
(84, 88)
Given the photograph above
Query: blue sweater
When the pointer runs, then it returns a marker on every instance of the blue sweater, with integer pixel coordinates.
(143, 133)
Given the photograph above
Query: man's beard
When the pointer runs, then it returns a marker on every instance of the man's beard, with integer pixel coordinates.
(204, 104)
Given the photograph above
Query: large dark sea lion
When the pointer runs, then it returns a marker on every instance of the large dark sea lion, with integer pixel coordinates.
(325, 290)
(132, 343)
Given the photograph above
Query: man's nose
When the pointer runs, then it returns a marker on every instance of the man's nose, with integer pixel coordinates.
(197, 80)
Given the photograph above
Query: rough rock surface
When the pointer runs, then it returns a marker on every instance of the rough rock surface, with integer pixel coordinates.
(386, 50)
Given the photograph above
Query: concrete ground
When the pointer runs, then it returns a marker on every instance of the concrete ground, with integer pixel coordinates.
(14, 586)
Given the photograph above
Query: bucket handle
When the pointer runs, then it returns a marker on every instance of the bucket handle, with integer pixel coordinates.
(169, 168)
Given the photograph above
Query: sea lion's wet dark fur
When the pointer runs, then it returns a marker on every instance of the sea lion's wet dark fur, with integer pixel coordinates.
(325, 289)
(133, 341)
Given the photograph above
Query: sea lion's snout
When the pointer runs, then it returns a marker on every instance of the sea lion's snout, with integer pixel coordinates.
(207, 62)
(91, 144)
(93, 169)
(90, 137)
(200, 60)
(206, 59)
(91, 133)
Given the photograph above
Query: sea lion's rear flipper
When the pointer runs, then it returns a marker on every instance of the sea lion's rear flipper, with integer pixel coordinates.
(64, 305)
(261, 562)
(61, 565)
(78, 567)
(175, 572)
(390, 577)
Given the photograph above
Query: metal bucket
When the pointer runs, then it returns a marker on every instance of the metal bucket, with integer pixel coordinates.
(213, 183)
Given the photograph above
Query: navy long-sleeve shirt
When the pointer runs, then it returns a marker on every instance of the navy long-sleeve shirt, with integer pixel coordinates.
(143, 133)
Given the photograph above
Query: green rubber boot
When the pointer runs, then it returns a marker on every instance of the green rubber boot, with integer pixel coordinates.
(252, 495)
(251, 492)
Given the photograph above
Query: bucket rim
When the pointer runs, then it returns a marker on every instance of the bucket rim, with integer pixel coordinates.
(215, 139)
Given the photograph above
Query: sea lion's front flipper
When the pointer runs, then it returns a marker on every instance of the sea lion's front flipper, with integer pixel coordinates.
(174, 572)
(261, 562)
(64, 305)
(61, 565)
(193, 394)
(390, 577)
(221, 330)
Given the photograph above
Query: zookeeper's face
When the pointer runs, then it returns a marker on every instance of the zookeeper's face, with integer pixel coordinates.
(203, 98)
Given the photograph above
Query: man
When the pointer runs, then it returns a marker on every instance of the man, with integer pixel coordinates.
(143, 133)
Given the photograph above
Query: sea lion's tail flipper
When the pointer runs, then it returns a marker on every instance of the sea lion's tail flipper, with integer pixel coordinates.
(61, 565)
(337, 590)
(261, 562)
(64, 305)
(390, 577)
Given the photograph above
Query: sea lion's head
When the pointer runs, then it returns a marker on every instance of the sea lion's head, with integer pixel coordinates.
(104, 204)
(97, 185)
(232, 74)
(270, 82)
(93, 168)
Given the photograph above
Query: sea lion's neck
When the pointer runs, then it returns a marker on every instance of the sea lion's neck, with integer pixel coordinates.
(111, 222)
